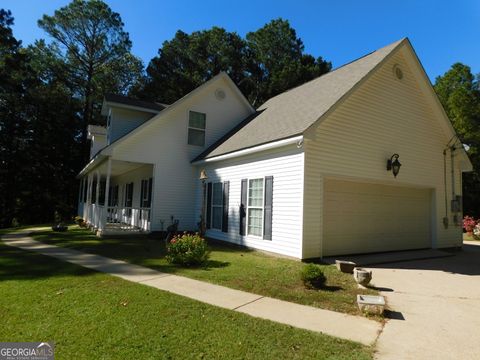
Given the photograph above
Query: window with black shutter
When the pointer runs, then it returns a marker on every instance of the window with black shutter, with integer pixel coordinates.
(256, 207)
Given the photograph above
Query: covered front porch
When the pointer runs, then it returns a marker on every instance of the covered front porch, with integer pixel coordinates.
(115, 197)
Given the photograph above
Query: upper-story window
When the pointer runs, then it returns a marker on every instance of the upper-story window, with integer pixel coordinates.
(196, 128)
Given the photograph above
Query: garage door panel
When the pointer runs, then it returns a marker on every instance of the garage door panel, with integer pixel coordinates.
(370, 217)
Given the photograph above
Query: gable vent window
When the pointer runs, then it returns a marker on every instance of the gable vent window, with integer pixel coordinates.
(196, 128)
(397, 71)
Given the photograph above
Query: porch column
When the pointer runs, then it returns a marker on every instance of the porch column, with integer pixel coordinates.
(80, 193)
(97, 203)
(88, 200)
(107, 192)
(97, 190)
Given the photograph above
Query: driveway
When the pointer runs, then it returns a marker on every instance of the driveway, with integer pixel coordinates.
(436, 307)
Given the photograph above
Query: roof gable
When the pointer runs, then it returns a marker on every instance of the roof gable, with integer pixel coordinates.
(294, 111)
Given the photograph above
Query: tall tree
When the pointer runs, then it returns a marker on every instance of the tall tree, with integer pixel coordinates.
(188, 60)
(97, 52)
(279, 60)
(270, 61)
(13, 122)
(56, 127)
(459, 91)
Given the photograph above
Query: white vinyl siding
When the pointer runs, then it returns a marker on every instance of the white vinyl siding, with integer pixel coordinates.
(196, 128)
(286, 166)
(122, 121)
(382, 117)
(163, 143)
(255, 207)
(217, 205)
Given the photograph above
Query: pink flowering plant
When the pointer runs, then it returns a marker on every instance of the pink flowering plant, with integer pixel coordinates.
(187, 250)
(469, 224)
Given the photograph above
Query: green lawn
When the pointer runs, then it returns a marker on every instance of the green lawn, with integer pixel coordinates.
(91, 315)
(472, 237)
(230, 266)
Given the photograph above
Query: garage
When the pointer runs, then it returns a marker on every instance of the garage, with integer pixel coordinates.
(364, 218)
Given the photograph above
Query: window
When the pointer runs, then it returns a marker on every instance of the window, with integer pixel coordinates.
(94, 192)
(196, 128)
(217, 206)
(128, 194)
(255, 207)
(113, 196)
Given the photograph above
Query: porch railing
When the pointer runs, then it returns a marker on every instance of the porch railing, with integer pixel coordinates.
(118, 218)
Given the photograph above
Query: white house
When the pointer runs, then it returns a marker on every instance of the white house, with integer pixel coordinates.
(304, 175)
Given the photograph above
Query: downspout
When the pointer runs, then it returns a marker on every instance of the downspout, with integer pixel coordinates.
(445, 219)
(455, 205)
(452, 156)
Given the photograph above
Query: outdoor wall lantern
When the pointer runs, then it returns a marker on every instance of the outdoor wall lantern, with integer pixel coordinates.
(203, 178)
(394, 165)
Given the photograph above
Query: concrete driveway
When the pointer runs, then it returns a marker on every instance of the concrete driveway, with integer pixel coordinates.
(436, 307)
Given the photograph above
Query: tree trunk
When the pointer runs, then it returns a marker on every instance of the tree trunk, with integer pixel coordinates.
(87, 114)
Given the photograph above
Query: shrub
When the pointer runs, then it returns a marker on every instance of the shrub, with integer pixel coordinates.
(312, 276)
(187, 250)
(469, 223)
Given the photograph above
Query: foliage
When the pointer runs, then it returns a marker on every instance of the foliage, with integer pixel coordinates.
(49, 92)
(96, 52)
(187, 249)
(459, 92)
(14, 127)
(79, 220)
(279, 62)
(469, 223)
(187, 61)
(312, 276)
(266, 63)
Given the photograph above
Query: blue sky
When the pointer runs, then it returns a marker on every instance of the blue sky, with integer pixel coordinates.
(442, 32)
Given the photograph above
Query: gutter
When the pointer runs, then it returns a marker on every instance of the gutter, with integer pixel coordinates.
(272, 145)
(97, 160)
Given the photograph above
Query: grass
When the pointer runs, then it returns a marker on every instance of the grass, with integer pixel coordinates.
(229, 266)
(91, 315)
(472, 237)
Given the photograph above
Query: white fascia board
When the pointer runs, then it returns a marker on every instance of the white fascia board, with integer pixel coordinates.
(268, 146)
(97, 160)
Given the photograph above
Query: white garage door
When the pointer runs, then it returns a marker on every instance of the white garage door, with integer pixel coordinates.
(362, 218)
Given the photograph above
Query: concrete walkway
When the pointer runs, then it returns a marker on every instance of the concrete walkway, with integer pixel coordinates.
(344, 326)
(437, 304)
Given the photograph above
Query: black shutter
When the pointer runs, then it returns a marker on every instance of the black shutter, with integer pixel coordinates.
(150, 181)
(209, 204)
(226, 190)
(243, 207)
(131, 194)
(142, 193)
(267, 217)
(85, 189)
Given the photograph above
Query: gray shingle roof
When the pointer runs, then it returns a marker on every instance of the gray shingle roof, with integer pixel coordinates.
(134, 102)
(294, 111)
